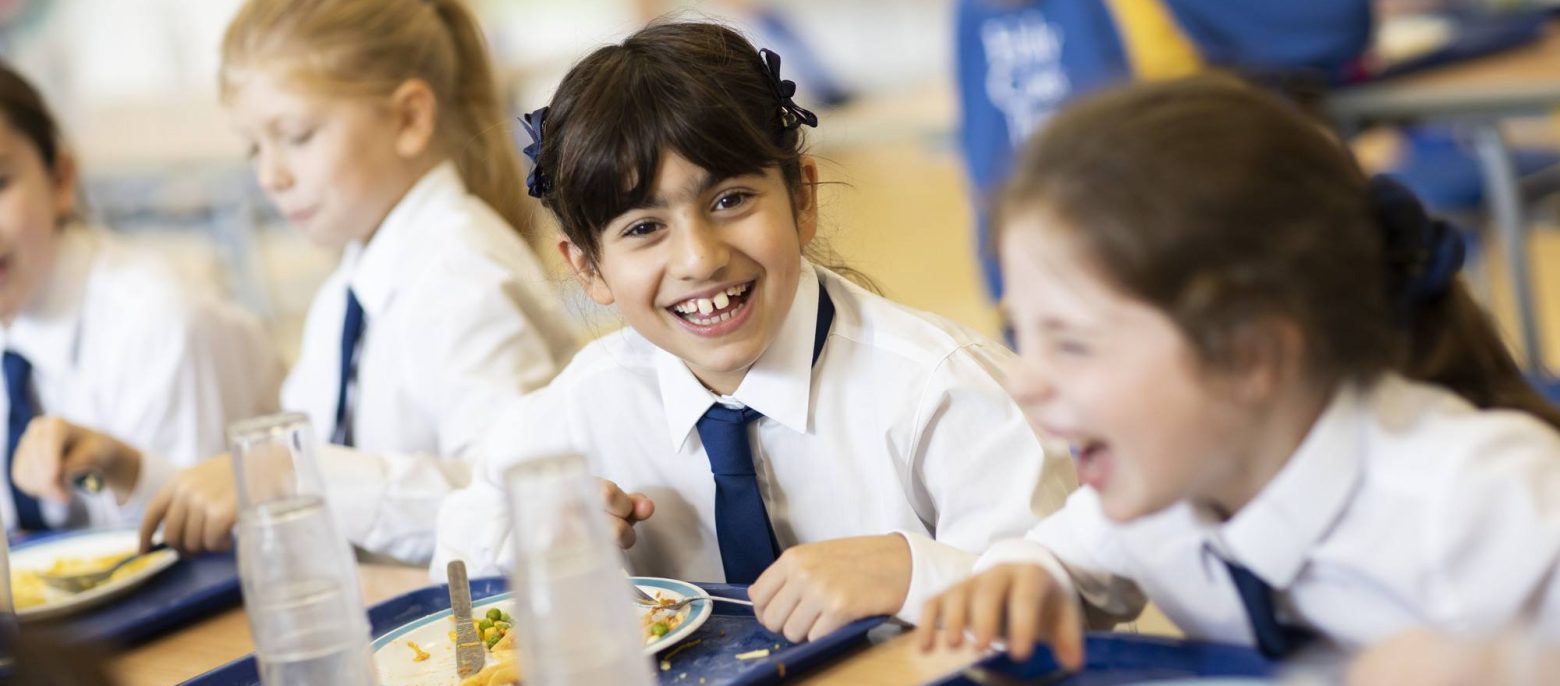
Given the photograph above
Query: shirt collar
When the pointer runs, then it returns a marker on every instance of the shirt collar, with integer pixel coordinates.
(1273, 533)
(376, 269)
(46, 330)
(779, 384)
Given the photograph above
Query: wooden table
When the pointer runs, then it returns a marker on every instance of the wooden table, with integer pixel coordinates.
(200, 647)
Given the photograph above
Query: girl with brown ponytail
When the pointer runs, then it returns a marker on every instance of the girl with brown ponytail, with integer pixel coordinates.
(375, 128)
(1292, 425)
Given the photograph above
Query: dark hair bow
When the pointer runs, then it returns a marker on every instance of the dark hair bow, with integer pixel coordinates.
(1428, 251)
(538, 183)
(792, 115)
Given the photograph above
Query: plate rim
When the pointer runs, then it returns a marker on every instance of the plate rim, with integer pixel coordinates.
(98, 594)
(698, 613)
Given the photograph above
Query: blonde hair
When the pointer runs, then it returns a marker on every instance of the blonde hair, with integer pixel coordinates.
(371, 47)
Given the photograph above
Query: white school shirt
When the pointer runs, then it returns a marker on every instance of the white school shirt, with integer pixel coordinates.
(119, 343)
(1404, 506)
(901, 426)
(459, 315)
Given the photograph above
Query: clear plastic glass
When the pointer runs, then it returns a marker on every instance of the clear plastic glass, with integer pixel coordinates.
(298, 574)
(568, 578)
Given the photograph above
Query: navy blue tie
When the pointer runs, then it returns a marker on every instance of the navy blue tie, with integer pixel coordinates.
(351, 333)
(747, 539)
(18, 382)
(1274, 640)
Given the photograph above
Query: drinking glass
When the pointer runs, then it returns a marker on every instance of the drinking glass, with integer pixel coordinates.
(298, 574)
(571, 596)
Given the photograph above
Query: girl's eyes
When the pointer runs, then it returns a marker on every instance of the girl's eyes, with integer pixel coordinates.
(732, 200)
(301, 138)
(639, 229)
(1067, 346)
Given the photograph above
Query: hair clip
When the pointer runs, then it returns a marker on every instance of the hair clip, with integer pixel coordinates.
(537, 183)
(792, 115)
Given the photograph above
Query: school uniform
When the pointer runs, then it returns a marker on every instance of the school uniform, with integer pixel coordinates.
(875, 419)
(1404, 506)
(117, 342)
(443, 313)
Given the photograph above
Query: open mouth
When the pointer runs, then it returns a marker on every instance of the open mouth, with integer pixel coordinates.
(715, 309)
(1093, 462)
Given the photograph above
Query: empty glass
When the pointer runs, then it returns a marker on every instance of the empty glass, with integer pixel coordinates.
(298, 575)
(568, 578)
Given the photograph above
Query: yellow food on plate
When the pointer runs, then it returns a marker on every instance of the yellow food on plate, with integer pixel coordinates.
(659, 622)
(502, 669)
(28, 589)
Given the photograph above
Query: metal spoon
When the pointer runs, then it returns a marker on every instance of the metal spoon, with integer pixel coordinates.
(678, 605)
(76, 583)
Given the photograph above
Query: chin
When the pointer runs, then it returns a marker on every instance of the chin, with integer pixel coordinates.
(1123, 508)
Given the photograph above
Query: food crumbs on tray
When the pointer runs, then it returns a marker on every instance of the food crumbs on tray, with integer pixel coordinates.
(666, 665)
(780, 670)
(417, 652)
(753, 654)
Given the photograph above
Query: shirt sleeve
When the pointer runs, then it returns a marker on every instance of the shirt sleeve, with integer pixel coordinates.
(1077, 545)
(476, 350)
(979, 471)
(209, 364)
(1494, 546)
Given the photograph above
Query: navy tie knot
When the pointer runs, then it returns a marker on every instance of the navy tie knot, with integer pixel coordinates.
(720, 425)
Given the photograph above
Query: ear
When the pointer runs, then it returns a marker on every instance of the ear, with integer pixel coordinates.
(416, 113)
(805, 201)
(1265, 355)
(586, 273)
(63, 180)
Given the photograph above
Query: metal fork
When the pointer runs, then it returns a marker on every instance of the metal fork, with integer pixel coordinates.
(646, 601)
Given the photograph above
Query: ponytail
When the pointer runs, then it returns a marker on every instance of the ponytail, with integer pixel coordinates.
(1450, 338)
(481, 143)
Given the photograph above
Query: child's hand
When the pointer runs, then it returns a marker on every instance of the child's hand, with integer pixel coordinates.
(1036, 607)
(1419, 656)
(52, 452)
(197, 508)
(816, 588)
(626, 509)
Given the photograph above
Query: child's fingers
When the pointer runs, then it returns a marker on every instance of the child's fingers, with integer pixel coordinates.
(1023, 613)
(956, 603)
(641, 506)
(1064, 627)
(616, 502)
(155, 510)
(931, 613)
(986, 604)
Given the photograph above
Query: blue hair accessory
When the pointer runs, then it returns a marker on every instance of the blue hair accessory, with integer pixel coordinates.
(538, 183)
(792, 115)
(1430, 250)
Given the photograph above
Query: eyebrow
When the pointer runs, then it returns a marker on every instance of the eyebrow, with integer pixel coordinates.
(699, 187)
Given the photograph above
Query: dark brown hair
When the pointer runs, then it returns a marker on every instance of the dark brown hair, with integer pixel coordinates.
(1222, 205)
(25, 110)
(699, 89)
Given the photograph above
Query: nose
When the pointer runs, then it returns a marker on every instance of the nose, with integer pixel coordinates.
(699, 253)
(272, 172)
(1030, 383)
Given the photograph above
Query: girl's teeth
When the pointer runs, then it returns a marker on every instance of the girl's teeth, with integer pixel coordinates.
(721, 301)
(705, 306)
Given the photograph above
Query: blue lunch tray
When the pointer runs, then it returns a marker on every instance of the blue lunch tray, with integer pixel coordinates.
(192, 589)
(1116, 658)
(709, 653)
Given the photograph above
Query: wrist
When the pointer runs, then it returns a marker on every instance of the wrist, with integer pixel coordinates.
(122, 470)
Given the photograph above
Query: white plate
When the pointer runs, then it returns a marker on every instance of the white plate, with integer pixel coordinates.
(393, 658)
(39, 556)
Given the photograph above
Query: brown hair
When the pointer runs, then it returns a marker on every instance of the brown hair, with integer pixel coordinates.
(698, 88)
(24, 108)
(370, 47)
(1221, 204)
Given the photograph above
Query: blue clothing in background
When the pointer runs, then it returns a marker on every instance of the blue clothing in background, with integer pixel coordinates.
(1019, 60)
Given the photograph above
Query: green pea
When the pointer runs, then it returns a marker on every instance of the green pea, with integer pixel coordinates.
(492, 640)
(659, 629)
(484, 624)
(508, 620)
(495, 614)
(501, 626)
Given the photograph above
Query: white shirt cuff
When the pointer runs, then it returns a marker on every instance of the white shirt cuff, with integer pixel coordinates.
(934, 566)
(355, 483)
